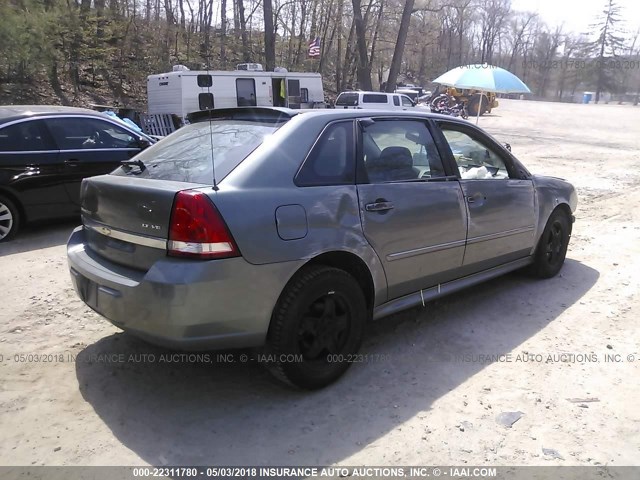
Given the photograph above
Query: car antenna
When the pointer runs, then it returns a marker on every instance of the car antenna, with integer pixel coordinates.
(208, 104)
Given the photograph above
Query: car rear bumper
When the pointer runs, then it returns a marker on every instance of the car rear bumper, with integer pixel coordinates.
(178, 303)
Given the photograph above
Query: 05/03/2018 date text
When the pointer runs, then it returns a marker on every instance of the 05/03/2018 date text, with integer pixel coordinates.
(574, 64)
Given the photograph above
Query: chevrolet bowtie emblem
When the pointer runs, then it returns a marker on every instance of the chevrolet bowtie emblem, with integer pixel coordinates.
(104, 230)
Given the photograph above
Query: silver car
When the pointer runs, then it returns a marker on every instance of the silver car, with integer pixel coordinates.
(292, 230)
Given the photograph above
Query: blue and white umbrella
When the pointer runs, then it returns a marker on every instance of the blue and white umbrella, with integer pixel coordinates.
(483, 77)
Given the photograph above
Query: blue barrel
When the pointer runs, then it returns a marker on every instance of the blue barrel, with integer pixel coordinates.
(587, 97)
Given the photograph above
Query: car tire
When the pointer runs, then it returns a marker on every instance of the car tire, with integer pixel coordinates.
(9, 219)
(474, 103)
(317, 325)
(552, 247)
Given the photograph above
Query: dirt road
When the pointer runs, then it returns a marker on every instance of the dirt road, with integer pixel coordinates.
(74, 391)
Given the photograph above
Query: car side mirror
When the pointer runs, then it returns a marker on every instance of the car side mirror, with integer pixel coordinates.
(143, 143)
(507, 146)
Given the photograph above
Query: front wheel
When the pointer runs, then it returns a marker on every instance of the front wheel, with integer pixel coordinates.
(552, 247)
(316, 328)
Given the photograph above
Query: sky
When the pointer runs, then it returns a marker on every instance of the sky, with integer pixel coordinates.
(578, 15)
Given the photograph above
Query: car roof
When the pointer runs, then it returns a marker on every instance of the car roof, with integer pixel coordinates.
(284, 114)
(373, 112)
(16, 112)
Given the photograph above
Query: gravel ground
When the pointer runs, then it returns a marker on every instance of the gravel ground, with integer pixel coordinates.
(75, 391)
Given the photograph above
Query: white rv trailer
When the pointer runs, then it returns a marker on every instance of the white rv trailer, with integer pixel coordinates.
(179, 92)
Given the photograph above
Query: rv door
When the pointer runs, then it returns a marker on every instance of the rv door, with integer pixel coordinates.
(279, 92)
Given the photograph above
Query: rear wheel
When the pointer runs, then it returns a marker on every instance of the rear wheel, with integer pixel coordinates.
(9, 219)
(317, 324)
(552, 247)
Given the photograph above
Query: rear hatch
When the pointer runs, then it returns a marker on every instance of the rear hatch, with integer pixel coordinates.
(127, 214)
(127, 220)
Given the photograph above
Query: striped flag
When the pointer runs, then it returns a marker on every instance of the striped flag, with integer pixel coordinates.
(314, 47)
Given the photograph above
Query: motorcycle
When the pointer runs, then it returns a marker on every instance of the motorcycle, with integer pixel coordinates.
(448, 105)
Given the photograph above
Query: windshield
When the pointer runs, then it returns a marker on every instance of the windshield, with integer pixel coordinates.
(186, 155)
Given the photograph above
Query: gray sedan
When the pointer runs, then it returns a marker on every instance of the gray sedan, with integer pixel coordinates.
(292, 230)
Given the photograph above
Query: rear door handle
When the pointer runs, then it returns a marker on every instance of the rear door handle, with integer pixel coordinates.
(378, 206)
(72, 162)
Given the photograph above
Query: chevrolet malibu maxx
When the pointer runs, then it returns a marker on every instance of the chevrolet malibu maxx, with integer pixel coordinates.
(292, 230)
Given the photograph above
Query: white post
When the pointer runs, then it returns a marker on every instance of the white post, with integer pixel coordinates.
(479, 108)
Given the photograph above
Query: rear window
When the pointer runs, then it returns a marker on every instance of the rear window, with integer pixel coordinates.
(412, 94)
(347, 100)
(187, 154)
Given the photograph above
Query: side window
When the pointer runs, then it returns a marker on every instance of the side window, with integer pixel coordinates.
(246, 92)
(396, 100)
(332, 159)
(26, 136)
(293, 87)
(406, 101)
(82, 133)
(397, 150)
(475, 160)
(347, 99)
(304, 95)
(375, 98)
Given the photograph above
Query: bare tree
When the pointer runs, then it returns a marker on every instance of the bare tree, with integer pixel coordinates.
(492, 16)
(396, 62)
(607, 44)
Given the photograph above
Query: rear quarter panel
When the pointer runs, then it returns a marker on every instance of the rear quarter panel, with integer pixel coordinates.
(249, 197)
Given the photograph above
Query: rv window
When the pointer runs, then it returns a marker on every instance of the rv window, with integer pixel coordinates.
(205, 101)
(374, 98)
(205, 81)
(304, 95)
(246, 90)
(294, 88)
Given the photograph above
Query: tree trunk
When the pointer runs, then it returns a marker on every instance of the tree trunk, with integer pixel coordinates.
(242, 25)
(223, 34)
(364, 67)
(398, 52)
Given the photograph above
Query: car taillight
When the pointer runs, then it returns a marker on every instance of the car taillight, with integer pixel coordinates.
(197, 230)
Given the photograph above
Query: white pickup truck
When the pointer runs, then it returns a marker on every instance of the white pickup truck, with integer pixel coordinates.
(374, 100)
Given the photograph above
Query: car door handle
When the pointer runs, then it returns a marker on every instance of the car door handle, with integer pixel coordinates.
(378, 206)
(72, 162)
(476, 197)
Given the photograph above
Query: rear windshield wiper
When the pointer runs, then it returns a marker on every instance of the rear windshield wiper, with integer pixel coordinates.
(128, 164)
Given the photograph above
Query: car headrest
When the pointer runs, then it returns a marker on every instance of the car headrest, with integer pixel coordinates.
(396, 157)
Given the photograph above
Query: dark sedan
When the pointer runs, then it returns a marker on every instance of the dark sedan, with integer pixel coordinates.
(46, 151)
